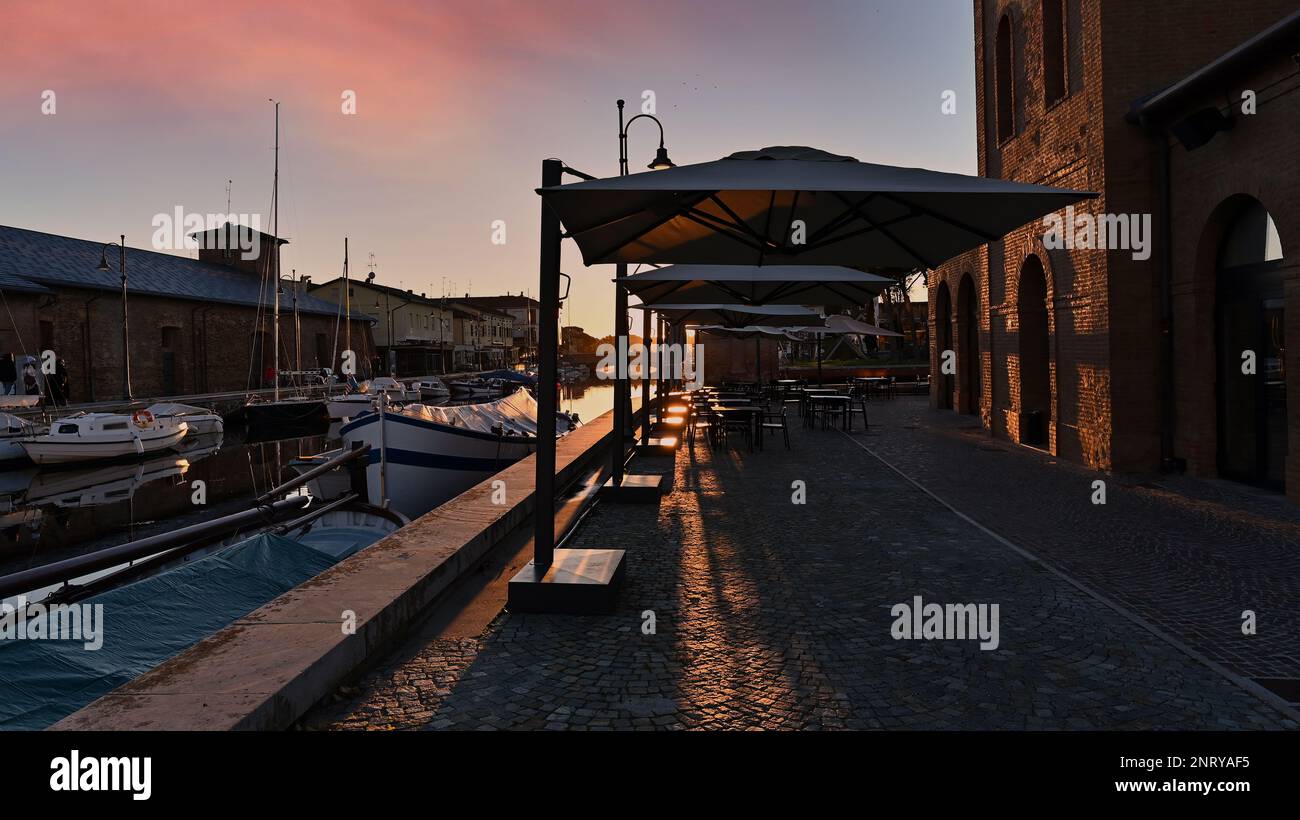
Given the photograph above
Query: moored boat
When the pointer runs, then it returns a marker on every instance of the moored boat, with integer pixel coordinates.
(201, 421)
(12, 432)
(350, 405)
(91, 436)
(422, 456)
(431, 388)
(478, 387)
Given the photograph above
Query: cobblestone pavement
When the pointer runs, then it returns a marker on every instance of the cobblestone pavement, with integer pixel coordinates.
(1189, 555)
(775, 615)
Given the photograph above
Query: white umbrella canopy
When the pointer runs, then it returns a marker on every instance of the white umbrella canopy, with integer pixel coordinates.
(750, 207)
(839, 325)
(736, 315)
(753, 285)
(747, 332)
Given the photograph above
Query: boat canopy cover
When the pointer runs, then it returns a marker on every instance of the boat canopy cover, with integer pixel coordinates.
(14, 424)
(516, 413)
(172, 408)
(143, 624)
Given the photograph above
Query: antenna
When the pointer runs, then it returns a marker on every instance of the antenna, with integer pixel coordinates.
(229, 182)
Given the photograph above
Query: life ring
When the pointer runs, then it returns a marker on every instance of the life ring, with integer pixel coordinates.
(142, 418)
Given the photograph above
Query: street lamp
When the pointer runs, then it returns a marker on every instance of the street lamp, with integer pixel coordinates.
(126, 336)
(622, 387)
(661, 162)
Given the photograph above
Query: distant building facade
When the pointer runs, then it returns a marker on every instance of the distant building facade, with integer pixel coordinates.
(1131, 358)
(524, 311)
(414, 334)
(196, 325)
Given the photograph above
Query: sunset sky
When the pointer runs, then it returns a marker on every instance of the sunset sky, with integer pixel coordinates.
(157, 106)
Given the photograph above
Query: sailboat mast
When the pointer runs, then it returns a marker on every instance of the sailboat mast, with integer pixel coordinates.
(347, 303)
(275, 234)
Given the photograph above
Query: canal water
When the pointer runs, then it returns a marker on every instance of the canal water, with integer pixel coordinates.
(48, 514)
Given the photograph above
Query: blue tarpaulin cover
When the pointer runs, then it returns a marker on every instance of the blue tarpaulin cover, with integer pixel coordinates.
(147, 622)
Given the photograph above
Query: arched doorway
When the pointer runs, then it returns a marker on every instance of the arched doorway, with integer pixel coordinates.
(1035, 355)
(1251, 345)
(968, 336)
(943, 342)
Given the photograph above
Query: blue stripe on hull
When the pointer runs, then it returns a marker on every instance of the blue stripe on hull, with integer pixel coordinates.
(415, 458)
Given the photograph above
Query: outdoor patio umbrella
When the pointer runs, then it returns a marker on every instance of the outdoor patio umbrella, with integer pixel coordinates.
(753, 285)
(748, 332)
(783, 205)
(790, 204)
(736, 315)
(840, 325)
(755, 332)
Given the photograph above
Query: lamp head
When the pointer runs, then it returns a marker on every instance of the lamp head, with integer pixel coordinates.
(661, 161)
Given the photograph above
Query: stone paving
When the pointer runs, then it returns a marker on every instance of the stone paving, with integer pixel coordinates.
(769, 614)
(1189, 555)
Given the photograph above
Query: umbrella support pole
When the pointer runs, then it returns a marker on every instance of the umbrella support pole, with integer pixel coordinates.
(622, 392)
(564, 580)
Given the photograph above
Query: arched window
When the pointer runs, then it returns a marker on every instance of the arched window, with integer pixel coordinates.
(1053, 51)
(1006, 106)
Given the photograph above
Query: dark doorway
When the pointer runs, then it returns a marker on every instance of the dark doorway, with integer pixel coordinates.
(1251, 342)
(968, 358)
(943, 343)
(1035, 355)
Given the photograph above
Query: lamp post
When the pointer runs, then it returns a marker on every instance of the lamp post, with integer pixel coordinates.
(622, 385)
(126, 335)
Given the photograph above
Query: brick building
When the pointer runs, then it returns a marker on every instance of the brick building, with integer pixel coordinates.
(1130, 358)
(195, 326)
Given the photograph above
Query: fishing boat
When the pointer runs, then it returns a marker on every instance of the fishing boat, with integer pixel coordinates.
(91, 436)
(431, 388)
(12, 432)
(421, 456)
(201, 421)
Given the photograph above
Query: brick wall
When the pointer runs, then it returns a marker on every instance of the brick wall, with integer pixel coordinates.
(1104, 306)
(211, 344)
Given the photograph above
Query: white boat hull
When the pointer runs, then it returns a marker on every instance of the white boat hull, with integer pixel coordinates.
(428, 463)
(42, 450)
(345, 408)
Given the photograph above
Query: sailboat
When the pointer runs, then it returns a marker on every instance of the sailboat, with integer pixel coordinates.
(298, 413)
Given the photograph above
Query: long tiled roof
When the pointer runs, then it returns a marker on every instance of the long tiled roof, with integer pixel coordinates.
(35, 261)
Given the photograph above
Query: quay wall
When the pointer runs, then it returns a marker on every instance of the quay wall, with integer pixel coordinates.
(268, 668)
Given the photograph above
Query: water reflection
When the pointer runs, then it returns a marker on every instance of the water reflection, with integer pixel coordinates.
(48, 514)
(51, 513)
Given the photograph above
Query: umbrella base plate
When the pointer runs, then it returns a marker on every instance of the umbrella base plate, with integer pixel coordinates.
(578, 582)
(663, 446)
(635, 489)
